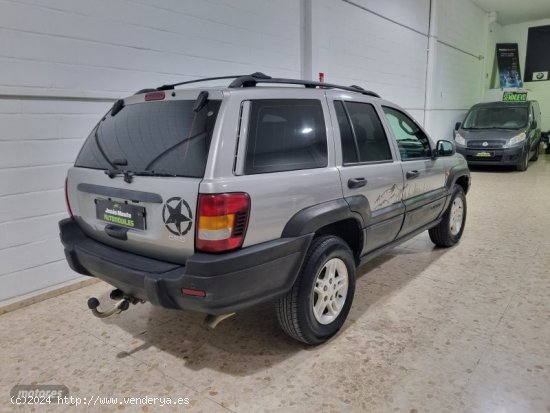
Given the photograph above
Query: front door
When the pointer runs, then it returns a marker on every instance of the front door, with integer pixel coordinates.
(424, 191)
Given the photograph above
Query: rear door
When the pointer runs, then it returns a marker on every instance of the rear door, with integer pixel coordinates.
(424, 192)
(136, 180)
(368, 169)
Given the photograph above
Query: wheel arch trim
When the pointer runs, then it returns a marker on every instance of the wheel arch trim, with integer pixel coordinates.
(311, 219)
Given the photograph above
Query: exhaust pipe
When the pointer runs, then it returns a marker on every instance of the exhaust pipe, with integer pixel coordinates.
(213, 320)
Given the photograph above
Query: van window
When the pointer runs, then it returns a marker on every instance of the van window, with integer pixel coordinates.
(161, 137)
(285, 135)
(497, 117)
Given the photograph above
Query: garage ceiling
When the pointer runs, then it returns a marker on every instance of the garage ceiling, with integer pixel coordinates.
(509, 12)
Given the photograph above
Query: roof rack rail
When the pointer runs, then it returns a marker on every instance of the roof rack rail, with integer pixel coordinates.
(256, 75)
(251, 81)
(259, 77)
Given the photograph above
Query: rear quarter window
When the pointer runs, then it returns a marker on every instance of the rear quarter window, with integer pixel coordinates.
(285, 135)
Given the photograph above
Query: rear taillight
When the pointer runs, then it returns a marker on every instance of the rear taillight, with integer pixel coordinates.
(222, 221)
(67, 198)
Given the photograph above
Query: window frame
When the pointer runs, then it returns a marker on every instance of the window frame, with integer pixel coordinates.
(354, 136)
(431, 148)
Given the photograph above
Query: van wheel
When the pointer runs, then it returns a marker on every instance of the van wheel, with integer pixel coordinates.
(449, 231)
(537, 152)
(524, 163)
(320, 299)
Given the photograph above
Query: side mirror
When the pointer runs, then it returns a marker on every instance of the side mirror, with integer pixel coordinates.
(445, 148)
(457, 125)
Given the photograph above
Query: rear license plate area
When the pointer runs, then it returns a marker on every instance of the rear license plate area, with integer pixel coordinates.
(121, 213)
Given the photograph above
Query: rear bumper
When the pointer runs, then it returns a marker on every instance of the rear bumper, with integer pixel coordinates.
(508, 156)
(232, 281)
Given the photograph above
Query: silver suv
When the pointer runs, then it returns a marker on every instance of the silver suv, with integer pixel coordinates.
(218, 199)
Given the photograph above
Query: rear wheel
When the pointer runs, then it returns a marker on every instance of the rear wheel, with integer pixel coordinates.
(450, 229)
(317, 305)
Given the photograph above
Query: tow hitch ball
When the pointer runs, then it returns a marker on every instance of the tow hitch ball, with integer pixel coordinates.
(122, 304)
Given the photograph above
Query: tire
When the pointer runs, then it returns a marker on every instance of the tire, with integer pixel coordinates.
(295, 310)
(536, 155)
(524, 163)
(448, 232)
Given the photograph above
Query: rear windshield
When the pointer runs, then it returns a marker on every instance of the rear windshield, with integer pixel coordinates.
(160, 137)
(512, 117)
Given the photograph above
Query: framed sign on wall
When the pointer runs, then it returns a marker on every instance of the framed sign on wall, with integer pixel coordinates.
(537, 63)
(509, 72)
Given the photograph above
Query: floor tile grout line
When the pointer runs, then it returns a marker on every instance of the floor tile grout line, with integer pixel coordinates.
(488, 347)
(146, 363)
(179, 382)
(162, 373)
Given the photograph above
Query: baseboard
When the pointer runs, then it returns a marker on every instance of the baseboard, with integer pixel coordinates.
(16, 303)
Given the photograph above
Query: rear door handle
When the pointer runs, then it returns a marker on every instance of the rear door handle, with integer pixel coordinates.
(412, 174)
(356, 183)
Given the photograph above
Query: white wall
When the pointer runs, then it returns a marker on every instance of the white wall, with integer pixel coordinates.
(63, 62)
(460, 32)
(54, 49)
(383, 46)
(353, 44)
(517, 33)
(39, 140)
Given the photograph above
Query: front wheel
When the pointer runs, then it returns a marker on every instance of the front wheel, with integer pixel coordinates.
(317, 305)
(524, 163)
(537, 153)
(449, 231)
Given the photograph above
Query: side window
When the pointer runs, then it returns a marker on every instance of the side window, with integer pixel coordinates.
(349, 148)
(285, 135)
(362, 135)
(412, 142)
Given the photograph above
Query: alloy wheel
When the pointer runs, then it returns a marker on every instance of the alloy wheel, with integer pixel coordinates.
(457, 214)
(330, 291)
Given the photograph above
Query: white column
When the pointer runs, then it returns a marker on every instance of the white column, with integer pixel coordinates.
(431, 64)
(306, 49)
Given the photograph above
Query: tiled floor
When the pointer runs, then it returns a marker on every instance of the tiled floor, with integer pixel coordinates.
(460, 330)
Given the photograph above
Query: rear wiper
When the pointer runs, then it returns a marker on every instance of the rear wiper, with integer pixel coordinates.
(128, 175)
(150, 173)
